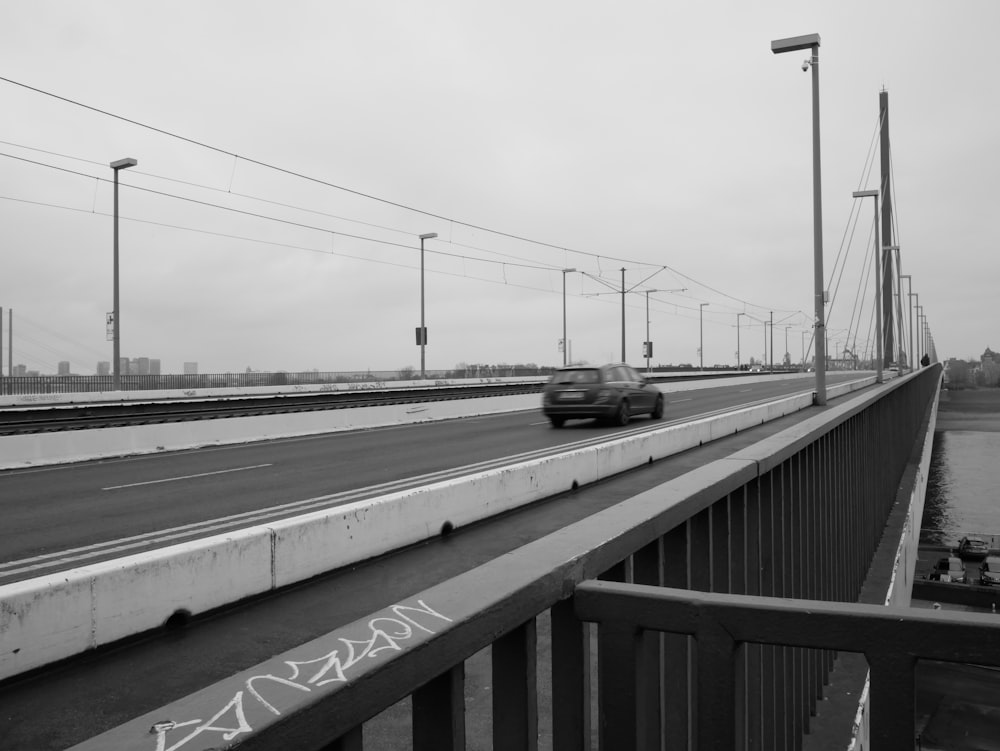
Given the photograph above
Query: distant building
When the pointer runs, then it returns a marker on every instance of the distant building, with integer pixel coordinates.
(20, 371)
(154, 366)
(190, 368)
(64, 367)
(123, 365)
(142, 366)
(103, 368)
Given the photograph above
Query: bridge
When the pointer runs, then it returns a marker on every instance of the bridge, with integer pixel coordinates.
(780, 556)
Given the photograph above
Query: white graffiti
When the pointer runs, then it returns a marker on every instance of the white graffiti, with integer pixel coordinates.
(384, 632)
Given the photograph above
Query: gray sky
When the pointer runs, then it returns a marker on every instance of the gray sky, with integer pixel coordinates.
(662, 137)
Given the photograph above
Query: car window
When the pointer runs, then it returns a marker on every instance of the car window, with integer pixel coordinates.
(633, 374)
(583, 375)
(621, 374)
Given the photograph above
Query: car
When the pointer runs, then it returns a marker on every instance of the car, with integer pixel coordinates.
(611, 393)
(989, 571)
(973, 547)
(949, 569)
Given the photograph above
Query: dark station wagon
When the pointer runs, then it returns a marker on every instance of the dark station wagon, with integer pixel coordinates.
(612, 393)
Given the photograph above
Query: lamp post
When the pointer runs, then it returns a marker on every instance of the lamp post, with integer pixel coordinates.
(117, 166)
(922, 344)
(802, 344)
(878, 286)
(909, 317)
(623, 314)
(916, 334)
(791, 44)
(771, 369)
(649, 342)
(738, 339)
(787, 357)
(422, 331)
(565, 340)
(701, 335)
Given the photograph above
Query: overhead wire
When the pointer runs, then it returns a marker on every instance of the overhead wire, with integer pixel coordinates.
(361, 194)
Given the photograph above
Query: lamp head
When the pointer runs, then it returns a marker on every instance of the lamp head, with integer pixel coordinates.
(123, 164)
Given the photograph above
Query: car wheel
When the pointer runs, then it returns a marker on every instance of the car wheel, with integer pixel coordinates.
(557, 422)
(622, 415)
(657, 412)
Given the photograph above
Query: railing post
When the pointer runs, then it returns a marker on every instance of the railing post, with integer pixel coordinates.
(676, 677)
(515, 690)
(439, 712)
(716, 689)
(647, 569)
(570, 679)
(892, 700)
(352, 740)
(618, 650)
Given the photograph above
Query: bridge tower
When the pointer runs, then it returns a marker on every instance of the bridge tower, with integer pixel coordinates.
(888, 341)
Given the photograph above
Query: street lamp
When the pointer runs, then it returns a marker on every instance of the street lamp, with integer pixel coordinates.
(701, 337)
(916, 335)
(909, 318)
(787, 357)
(649, 342)
(738, 340)
(422, 331)
(117, 166)
(771, 369)
(791, 44)
(565, 340)
(878, 285)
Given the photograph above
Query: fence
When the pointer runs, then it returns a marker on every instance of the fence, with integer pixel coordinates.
(795, 519)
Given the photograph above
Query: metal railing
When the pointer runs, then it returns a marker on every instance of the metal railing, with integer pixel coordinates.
(733, 632)
(797, 516)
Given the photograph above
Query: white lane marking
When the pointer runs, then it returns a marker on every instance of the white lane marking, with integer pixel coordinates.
(187, 477)
(678, 401)
(745, 391)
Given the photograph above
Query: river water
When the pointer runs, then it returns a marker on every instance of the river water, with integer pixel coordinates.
(963, 486)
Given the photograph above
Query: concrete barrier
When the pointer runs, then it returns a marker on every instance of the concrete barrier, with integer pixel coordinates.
(56, 616)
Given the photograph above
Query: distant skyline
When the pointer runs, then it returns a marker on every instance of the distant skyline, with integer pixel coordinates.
(290, 156)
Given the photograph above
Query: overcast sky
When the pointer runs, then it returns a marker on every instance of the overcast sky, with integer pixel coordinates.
(290, 154)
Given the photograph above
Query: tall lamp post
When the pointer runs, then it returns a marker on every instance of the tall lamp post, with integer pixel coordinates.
(788, 356)
(921, 344)
(117, 166)
(772, 343)
(649, 342)
(916, 332)
(738, 339)
(909, 317)
(701, 335)
(792, 44)
(878, 286)
(565, 340)
(422, 331)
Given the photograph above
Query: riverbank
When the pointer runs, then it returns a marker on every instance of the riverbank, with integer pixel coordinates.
(969, 409)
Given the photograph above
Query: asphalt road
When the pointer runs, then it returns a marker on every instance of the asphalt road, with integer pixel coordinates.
(64, 516)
